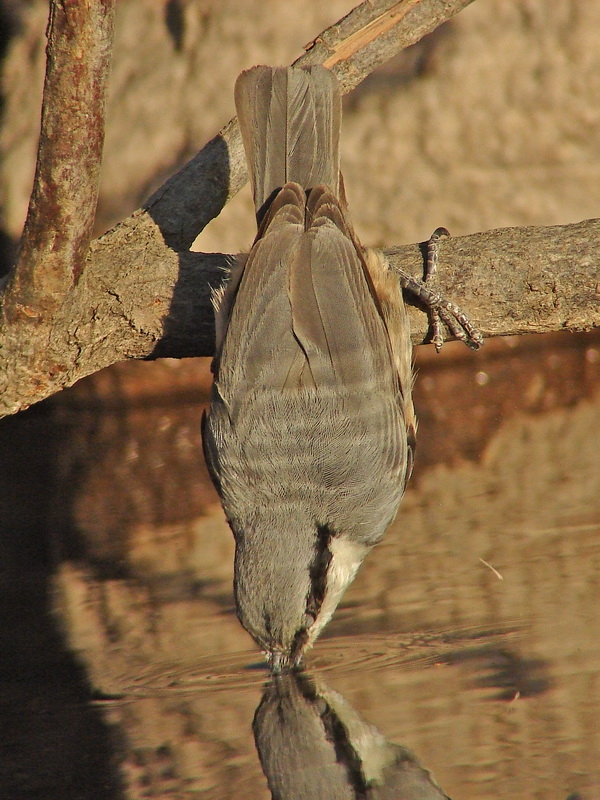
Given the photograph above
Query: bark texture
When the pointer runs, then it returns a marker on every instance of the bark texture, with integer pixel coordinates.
(142, 294)
(62, 207)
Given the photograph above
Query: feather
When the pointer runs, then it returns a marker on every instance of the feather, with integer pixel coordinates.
(290, 121)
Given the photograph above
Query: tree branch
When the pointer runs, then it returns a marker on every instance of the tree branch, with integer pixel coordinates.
(65, 192)
(62, 207)
(510, 281)
(368, 36)
(137, 297)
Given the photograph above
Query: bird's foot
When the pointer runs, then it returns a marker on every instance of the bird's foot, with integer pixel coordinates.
(441, 311)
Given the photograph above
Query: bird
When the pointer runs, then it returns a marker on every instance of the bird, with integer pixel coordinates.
(313, 744)
(310, 434)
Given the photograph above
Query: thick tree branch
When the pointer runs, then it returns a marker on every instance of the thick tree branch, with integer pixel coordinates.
(137, 297)
(518, 280)
(368, 36)
(65, 193)
(510, 281)
(143, 300)
(62, 207)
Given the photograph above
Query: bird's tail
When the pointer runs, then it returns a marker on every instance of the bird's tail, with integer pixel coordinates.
(290, 119)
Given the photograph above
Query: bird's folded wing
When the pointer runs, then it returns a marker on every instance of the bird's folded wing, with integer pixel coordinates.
(304, 313)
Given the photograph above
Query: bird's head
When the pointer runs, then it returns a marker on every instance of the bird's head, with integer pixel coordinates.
(287, 585)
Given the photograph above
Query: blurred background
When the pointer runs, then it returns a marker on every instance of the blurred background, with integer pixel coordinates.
(471, 634)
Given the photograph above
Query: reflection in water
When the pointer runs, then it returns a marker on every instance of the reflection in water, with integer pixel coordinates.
(313, 744)
(471, 635)
(512, 675)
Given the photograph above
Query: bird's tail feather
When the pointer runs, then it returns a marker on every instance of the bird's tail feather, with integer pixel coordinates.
(290, 119)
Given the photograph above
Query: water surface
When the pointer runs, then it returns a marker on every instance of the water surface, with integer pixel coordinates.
(470, 638)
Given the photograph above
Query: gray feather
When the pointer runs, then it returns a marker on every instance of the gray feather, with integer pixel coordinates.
(290, 121)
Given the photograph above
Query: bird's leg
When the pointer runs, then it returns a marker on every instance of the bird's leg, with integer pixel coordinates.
(440, 309)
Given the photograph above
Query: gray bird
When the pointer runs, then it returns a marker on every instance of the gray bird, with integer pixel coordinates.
(313, 744)
(311, 429)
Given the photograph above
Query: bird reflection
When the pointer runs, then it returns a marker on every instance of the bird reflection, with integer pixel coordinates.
(313, 744)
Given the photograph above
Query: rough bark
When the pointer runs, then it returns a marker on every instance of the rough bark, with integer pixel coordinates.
(63, 202)
(137, 298)
(142, 294)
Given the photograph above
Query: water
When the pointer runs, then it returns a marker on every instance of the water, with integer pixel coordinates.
(471, 635)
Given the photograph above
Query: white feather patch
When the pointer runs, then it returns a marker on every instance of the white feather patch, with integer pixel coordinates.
(346, 558)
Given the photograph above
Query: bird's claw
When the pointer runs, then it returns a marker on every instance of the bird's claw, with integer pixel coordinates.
(441, 311)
